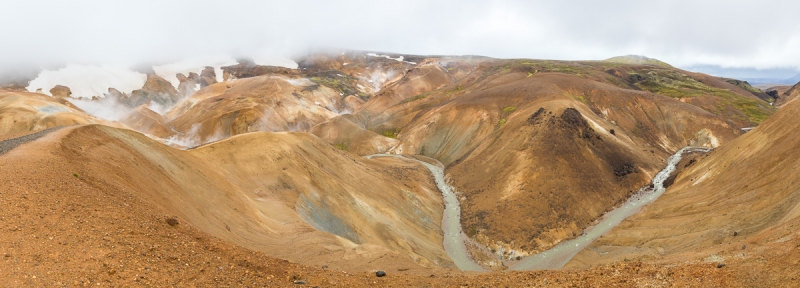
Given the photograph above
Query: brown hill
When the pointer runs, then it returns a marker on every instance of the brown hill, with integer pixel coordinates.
(535, 178)
(155, 89)
(22, 112)
(537, 149)
(144, 120)
(471, 112)
(479, 127)
(297, 208)
(348, 136)
(739, 203)
(264, 103)
(69, 223)
(245, 69)
(788, 95)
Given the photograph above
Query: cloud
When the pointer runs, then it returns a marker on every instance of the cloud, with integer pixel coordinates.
(755, 34)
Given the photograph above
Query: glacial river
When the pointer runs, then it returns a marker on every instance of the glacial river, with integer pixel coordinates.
(454, 238)
(558, 256)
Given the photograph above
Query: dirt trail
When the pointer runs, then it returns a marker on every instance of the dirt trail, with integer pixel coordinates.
(7, 145)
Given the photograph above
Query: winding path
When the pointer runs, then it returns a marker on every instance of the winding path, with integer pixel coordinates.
(7, 145)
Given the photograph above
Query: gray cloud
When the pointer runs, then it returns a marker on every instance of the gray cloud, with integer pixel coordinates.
(751, 34)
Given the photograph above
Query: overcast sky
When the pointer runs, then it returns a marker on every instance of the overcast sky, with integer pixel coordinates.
(743, 34)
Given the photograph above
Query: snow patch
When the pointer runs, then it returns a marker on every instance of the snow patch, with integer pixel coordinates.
(271, 60)
(86, 81)
(399, 59)
(377, 78)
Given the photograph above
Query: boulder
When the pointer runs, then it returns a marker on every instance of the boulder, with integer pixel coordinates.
(61, 92)
(115, 94)
(247, 68)
(208, 76)
(155, 89)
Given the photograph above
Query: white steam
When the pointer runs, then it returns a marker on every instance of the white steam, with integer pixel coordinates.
(107, 108)
(86, 81)
(160, 109)
(168, 71)
(299, 82)
(377, 78)
(193, 137)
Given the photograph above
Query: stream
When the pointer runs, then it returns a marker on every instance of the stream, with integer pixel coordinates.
(454, 238)
(559, 255)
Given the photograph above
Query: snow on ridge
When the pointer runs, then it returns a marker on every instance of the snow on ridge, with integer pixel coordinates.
(269, 60)
(168, 71)
(86, 81)
(399, 59)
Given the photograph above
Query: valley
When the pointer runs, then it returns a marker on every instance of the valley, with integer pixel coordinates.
(439, 170)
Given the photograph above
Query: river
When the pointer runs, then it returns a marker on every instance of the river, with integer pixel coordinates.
(559, 255)
(454, 237)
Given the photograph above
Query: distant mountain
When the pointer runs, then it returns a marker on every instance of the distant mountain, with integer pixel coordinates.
(637, 60)
(754, 76)
(794, 80)
(789, 81)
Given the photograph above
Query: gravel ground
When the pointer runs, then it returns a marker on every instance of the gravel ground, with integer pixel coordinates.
(9, 144)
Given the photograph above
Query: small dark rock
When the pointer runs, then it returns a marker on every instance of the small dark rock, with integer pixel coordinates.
(8, 255)
(720, 265)
(324, 266)
(535, 117)
(744, 247)
(613, 132)
(573, 120)
(735, 233)
(172, 221)
(635, 77)
(623, 169)
(300, 282)
(773, 94)
(380, 273)
(670, 180)
(573, 117)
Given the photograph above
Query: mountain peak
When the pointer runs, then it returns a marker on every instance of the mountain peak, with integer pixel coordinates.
(637, 59)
